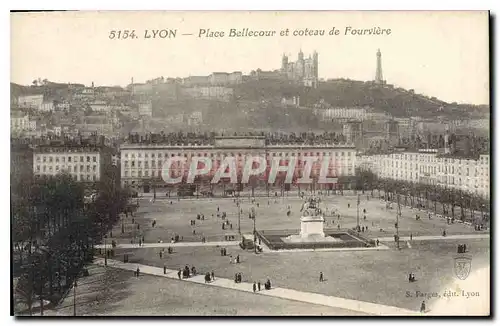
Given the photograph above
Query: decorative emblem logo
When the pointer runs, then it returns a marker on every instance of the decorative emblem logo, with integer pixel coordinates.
(462, 266)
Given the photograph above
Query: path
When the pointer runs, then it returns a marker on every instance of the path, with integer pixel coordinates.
(236, 243)
(439, 237)
(308, 297)
(173, 245)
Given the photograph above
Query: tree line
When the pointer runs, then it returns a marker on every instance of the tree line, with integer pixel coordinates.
(54, 230)
(430, 196)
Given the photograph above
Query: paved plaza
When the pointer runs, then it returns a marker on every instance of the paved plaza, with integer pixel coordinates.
(378, 276)
(173, 218)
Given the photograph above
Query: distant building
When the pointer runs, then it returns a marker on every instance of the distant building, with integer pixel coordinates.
(145, 109)
(19, 122)
(210, 92)
(47, 106)
(303, 70)
(195, 119)
(85, 163)
(143, 163)
(290, 101)
(431, 167)
(235, 78)
(196, 81)
(30, 101)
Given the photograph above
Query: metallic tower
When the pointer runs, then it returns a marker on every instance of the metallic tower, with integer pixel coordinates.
(379, 79)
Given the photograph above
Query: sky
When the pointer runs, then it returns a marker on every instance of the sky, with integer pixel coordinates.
(442, 54)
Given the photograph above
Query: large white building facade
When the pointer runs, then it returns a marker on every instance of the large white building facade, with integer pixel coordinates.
(141, 162)
(430, 167)
(83, 163)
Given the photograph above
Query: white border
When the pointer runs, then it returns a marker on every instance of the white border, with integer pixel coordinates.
(492, 5)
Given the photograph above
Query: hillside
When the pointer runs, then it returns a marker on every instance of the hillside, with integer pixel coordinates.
(348, 93)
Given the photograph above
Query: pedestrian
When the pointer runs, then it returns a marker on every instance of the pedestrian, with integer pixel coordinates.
(140, 242)
(164, 269)
(222, 251)
(179, 274)
(422, 306)
(161, 254)
(133, 220)
(411, 236)
(378, 242)
(321, 276)
(258, 285)
(254, 287)
(231, 226)
(213, 276)
(138, 271)
(194, 232)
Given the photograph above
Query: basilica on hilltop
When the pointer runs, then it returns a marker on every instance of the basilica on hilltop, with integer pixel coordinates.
(303, 70)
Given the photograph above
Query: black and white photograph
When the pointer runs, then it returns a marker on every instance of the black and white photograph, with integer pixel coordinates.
(250, 163)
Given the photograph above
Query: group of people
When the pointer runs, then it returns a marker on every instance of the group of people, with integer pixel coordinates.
(186, 272)
(236, 260)
(162, 251)
(257, 286)
(209, 277)
(411, 277)
(462, 249)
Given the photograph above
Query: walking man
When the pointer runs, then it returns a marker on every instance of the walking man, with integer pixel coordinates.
(179, 274)
(164, 269)
(422, 306)
(138, 271)
(213, 276)
(258, 286)
(321, 276)
(254, 287)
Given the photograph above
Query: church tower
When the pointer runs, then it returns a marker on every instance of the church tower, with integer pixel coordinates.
(301, 55)
(315, 64)
(284, 63)
(379, 78)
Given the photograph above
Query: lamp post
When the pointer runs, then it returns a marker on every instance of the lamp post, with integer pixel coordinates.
(254, 234)
(74, 298)
(357, 215)
(397, 223)
(239, 214)
(105, 253)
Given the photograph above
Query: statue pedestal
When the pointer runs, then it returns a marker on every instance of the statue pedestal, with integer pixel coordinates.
(311, 225)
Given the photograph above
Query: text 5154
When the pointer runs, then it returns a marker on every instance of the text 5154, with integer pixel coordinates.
(122, 34)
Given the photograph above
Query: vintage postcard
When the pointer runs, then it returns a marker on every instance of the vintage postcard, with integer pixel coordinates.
(250, 163)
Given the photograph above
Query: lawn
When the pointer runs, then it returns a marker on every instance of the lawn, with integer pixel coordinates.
(114, 292)
(373, 276)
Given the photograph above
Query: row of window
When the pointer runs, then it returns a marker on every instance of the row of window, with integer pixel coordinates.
(216, 163)
(152, 173)
(51, 168)
(86, 177)
(440, 169)
(159, 155)
(62, 159)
